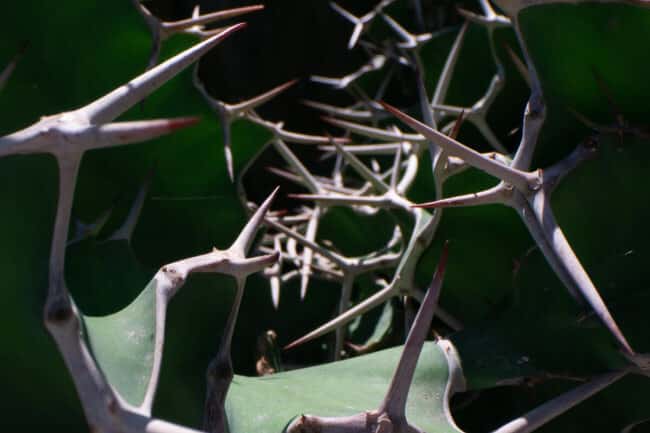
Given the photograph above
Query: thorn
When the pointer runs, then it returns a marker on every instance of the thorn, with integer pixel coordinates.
(440, 93)
(330, 255)
(294, 162)
(125, 232)
(227, 154)
(119, 133)
(373, 301)
(339, 199)
(362, 170)
(308, 253)
(546, 412)
(247, 235)
(209, 18)
(376, 133)
(522, 180)
(584, 119)
(260, 99)
(394, 403)
(374, 64)
(285, 175)
(115, 103)
(290, 136)
(346, 113)
(85, 231)
(519, 64)
(9, 69)
(493, 195)
(457, 125)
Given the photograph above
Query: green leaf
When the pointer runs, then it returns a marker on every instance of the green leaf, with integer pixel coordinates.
(268, 404)
(123, 345)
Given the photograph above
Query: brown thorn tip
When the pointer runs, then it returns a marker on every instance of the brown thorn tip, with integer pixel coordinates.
(290, 345)
(458, 124)
(236, 27)
(293, 344)
(182, 122)
(389, 107)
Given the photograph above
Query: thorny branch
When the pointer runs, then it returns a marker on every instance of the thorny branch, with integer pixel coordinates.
(68, 135)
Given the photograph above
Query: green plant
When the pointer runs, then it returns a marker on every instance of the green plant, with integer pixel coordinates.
(527, 331)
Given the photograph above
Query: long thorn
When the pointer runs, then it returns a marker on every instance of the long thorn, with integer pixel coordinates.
(368, 304)
(552, 409)
(176, 26)
(362, 170)
(493, 195)
(376, 133)
(243, 242)
(119, 133)
(260, 99)
(395, 400)
(440, 93)
(110, 106)
(522, 180)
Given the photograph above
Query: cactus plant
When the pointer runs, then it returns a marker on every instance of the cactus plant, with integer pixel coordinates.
(372, 221)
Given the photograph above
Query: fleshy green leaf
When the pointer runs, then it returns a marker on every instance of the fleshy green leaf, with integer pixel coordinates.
(267, 404)
(123, 345)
